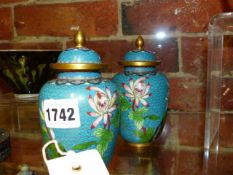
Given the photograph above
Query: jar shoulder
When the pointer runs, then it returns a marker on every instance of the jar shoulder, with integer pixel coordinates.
(124, 77)
(64, 87)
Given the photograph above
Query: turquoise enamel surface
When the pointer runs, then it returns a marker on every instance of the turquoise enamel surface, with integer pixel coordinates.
(137, 55)
(79, 55)
(143, 96)
(96, 102)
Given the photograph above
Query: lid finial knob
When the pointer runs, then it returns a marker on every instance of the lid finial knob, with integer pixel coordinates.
(139, 43)
(79, 39)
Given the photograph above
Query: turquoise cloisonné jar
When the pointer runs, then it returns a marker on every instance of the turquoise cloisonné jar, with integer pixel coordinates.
(79, 107)
(143, 96)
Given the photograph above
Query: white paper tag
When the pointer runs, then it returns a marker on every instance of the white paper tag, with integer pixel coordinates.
(62, 113)
(84, 163)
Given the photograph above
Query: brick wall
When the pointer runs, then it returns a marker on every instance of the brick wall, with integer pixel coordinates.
(112, 26)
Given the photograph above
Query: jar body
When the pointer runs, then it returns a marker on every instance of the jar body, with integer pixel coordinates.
(143, 104)
(80, 114)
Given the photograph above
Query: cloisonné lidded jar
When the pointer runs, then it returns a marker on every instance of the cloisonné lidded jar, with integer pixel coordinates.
(143, 96)
(79, 107)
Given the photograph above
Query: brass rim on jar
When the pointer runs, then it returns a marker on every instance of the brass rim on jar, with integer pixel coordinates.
(140, 63)
(139, 145)
(79, 66)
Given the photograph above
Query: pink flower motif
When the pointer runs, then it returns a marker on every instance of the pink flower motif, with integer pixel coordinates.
(137, 91)
(103, 104)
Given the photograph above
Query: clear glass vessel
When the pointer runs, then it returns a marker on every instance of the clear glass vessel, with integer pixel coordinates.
(219, 87)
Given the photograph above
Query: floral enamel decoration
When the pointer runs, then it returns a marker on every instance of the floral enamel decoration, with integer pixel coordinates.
(103, 104)
(138, 92)
(143, 94)
(78, 108)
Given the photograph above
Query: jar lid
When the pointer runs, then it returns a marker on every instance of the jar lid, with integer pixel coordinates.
(78, 58)
(140, 57)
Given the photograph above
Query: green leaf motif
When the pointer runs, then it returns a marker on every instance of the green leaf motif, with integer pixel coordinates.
(115, 119)
(145, 137)
(153, 117)
(124, 103)
(138, 113)
(62, 147)
(139, 133)
(53, 151)
(103, 134)
(138, 117)
(99, 132)
(42, 115)
(83, 146)
(105, 137)
(44, 131)
(139, 122)
(102, 147)
(150, 133)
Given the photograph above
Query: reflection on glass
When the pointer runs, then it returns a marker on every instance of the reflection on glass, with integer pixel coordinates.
(160, 35)
(218, 27)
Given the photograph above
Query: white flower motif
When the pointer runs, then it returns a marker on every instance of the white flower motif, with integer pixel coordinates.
(137, 91)
(103, 104)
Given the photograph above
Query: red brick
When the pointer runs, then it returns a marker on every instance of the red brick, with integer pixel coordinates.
(227, 94)
(167, 51)
(166, 132)
(226, 131)
(225, 163)
(227, 54)
(186, 94)
(227, 65)
(165, 160)
(31, 46)
(187, 16)
(178, 162)
(167, 138)
(210, 162)
(11, 1)
(214, 88)
(113, 51)
(191, 129)
(194, 55)
(189, 162)
(6, 25)
(218, 163)
(94, 18)
(221, 93)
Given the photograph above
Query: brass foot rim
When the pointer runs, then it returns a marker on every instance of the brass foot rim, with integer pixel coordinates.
(140, 145)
